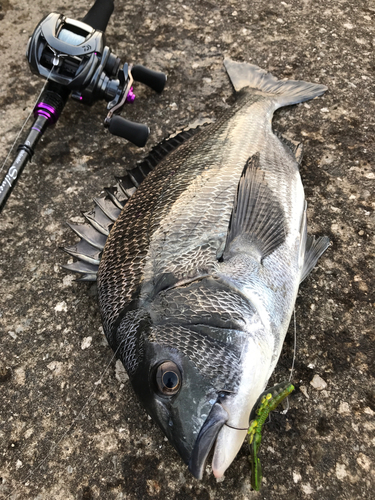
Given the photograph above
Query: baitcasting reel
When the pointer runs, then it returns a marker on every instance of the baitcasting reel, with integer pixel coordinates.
(73, 57)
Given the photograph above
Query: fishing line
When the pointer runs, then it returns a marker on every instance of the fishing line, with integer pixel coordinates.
(54, 446)
(284, 412)
(295, 343)
(27, 119)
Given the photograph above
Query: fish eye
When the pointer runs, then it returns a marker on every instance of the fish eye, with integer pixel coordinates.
(168, 378)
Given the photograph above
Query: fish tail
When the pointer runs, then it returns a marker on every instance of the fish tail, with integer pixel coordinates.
(286, 92)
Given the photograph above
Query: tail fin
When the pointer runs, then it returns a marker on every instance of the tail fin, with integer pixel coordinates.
(286, 92)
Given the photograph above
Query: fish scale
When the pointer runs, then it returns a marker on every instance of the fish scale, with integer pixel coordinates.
(214, 360)
(185, 221)
(182, 220)
(134, 235)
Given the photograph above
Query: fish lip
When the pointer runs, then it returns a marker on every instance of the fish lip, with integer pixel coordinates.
(206, 439)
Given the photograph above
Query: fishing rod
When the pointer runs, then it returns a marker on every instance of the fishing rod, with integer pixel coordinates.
(73, 58)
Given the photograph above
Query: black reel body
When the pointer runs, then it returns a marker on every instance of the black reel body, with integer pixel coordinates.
(73, 54)
(74, 59)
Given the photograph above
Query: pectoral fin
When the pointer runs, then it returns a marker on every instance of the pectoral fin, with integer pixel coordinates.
(257, 221)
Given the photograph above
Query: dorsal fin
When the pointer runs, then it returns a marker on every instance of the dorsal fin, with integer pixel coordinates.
(294, 147)
(108, 207)
(257, 220)
(86, 271)
(85, 252)
(167, 145)
(99, 220)
(127, 184)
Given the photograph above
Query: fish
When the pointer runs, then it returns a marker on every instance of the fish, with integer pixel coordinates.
(198, 255)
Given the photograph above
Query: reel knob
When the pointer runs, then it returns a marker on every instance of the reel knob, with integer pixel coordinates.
(153, 79)
(136, 133)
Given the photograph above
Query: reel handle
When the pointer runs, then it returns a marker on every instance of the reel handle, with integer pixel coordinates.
(99, 14)
(153, 79)
(136, 133)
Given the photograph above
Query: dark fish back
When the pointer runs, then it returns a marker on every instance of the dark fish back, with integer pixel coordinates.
(120, 275)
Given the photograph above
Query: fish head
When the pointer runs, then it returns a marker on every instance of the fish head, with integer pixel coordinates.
(235, 405)
(174, 393)
(201, 395)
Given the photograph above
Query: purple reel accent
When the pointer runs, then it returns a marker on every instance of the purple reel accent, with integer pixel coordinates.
(131, 96)
(49, 112)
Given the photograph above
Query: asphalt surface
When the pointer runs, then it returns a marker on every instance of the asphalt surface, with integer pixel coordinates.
(70, 425)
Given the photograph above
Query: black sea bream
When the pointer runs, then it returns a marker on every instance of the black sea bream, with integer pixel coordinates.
(200, 271)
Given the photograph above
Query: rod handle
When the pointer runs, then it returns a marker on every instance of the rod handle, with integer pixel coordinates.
(99, 14)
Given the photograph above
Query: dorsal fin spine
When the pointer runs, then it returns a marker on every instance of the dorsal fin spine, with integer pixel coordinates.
(108, 208)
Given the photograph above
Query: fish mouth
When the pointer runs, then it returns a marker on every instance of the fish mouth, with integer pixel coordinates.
(217, 417)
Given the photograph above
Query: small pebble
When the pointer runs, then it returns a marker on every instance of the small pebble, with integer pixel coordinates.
(296, 477)
(61, 307)
(86, 342)
(120, 373)
(303, 389)
(343, 408)
(318, 383)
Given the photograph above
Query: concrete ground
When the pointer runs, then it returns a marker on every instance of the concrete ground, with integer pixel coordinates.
(70, 425)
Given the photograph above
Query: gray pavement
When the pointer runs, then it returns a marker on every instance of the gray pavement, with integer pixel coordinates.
(70, 426)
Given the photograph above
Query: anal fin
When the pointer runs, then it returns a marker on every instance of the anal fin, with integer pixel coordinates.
(257, 221)
(294, 147)
(315, 247)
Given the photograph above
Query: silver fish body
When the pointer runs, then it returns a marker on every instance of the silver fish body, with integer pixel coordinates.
(200, 272)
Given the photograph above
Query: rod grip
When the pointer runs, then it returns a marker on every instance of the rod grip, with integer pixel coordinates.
(99, 14)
